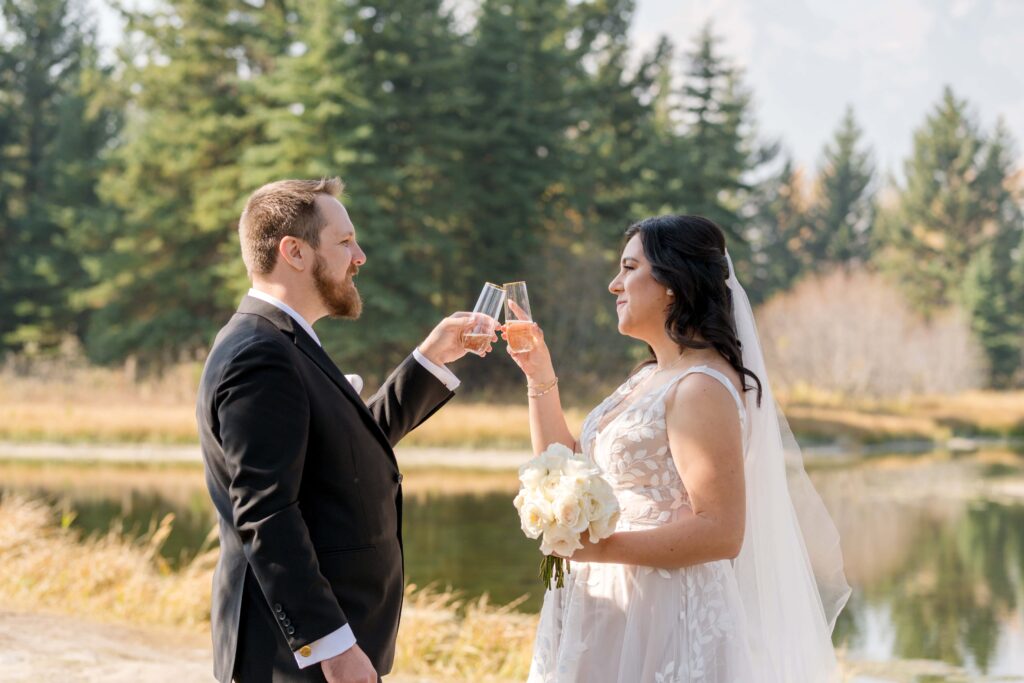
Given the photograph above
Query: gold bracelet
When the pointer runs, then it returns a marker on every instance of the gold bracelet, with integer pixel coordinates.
(538, 391)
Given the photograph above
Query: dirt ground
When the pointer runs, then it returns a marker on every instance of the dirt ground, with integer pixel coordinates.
(47, 648)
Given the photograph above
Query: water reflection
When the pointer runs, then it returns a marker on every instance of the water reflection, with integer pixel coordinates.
(958, 588)
(936, 561)
(473, 543)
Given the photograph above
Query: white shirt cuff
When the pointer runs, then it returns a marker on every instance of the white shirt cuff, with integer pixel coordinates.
(331, 645)
(443, 374)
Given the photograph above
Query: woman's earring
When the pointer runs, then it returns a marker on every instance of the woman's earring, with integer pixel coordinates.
(670, 292)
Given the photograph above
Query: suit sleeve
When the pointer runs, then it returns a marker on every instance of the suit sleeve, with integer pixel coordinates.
(407, 398)
(263, 412)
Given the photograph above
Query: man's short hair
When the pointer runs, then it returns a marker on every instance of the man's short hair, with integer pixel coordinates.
(285, 208)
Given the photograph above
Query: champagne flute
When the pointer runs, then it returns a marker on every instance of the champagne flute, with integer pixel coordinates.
(518, 320)
(476, 339)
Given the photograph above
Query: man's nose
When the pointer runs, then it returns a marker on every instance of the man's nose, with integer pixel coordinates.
(360, 256)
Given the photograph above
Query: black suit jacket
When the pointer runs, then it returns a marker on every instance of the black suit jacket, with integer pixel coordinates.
(308, 495)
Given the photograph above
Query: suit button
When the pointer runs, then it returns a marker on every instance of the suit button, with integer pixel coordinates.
(355, 480)
(286, 621)
(290, 630)
(305, 651)
(281, 617)
(277, 607)
(399, 477)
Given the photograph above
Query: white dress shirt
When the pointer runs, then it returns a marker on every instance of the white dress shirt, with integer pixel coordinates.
(341, 640)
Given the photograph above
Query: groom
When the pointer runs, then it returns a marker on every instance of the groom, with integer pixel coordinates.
(309, 583)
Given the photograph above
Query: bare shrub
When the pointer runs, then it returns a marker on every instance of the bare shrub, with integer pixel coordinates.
(852, 332)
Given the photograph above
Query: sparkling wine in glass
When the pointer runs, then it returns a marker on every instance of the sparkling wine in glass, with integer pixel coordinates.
(489, 302)
(518, 320)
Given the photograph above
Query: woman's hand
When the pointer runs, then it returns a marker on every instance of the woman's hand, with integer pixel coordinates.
(535, 363)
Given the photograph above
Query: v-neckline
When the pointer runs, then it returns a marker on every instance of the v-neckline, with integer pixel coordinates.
(599, 429)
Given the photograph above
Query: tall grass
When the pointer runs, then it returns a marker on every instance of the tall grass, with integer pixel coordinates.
(46, 566)
(448, 638)
(109, 577)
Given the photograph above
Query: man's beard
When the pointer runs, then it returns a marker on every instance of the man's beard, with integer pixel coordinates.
(341, 299)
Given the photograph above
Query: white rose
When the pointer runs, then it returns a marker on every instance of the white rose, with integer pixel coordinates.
(568, 514)
(551, 485)
(532, 473)
(577, 475)
(602, 509)
(604, 491)
(591, 505)
(535, 516)
(558, 451)
(559, 541)
(552, 462)
(603, 527)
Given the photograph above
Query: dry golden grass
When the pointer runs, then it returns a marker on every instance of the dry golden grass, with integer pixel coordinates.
(47, 567)
(96, 405)
(88, 404)
(926, 417)
(481, 426)
(71, 402)
(86, 422)
(447, 638)
(107, 578)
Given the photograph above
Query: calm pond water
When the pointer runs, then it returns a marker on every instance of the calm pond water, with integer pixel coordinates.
(934, 546)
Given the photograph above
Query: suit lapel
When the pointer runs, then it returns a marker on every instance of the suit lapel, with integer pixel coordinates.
(315, 352)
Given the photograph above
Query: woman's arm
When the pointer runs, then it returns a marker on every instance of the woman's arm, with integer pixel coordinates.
(547, 419)
(704, 437)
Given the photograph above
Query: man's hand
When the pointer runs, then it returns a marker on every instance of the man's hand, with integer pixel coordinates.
(351, 666)
(445, 342)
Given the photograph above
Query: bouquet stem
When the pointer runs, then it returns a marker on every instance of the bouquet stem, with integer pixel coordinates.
(556, 568)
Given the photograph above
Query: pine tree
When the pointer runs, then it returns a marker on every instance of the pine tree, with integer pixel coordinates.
(53, 124)
(717, 152)
(170, 266)
(993, 288)
(522, 79)
(405, 180)
(844, 210)
(781, 229)
(947, 209)
(617, 140)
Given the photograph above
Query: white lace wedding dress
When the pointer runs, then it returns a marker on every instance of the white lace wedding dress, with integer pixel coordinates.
(615, 623)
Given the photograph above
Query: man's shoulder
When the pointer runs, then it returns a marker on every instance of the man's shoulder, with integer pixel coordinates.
(247, 335)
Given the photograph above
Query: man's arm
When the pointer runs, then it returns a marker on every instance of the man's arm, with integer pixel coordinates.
(263, 418)
(410, 395)
(418, 387)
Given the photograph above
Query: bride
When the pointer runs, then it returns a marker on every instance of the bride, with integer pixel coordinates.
(725, 566)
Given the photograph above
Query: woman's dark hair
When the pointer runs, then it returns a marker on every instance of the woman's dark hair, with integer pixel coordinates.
(687, 255)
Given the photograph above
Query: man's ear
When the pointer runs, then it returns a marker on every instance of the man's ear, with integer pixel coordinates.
(292, 251)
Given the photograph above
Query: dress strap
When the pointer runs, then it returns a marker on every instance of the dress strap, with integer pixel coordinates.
(711, 372)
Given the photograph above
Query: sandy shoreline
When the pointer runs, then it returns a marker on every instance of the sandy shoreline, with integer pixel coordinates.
(46, 648)
(52, 648)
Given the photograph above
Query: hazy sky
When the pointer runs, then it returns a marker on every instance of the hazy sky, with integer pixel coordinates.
(805, 60)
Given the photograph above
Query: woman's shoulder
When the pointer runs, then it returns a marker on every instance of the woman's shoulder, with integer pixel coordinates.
(705, 387)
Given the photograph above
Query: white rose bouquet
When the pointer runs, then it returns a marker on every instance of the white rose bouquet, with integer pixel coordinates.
(560, 497)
